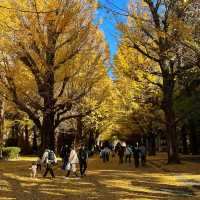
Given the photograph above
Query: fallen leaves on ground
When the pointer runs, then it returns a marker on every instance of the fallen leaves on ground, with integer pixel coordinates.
(104, 181)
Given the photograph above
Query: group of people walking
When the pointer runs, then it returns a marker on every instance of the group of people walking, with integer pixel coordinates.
(125, 153)
(71, 157)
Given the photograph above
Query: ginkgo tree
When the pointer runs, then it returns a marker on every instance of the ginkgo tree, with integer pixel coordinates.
(52, 55)
(156, 29)
(138, 89)
(101, 119)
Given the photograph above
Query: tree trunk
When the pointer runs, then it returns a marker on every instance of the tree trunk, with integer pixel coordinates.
(47, 90)
(15, 133)
(41, 140)
(79, 135)
(172, 140)
(1, 121)
(151, 144)
(47, 130)
(193, 137)
(91, 140)
(26, 140)
(1, 127)
(26, 136)
(35, 145)
(168, 89)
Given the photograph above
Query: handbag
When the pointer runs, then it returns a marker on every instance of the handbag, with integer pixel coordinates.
(68, 166)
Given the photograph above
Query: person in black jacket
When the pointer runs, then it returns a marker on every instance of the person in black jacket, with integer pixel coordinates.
(120, 151)
(83, 156)
(143, 154)
(65, 151)
(136, 155)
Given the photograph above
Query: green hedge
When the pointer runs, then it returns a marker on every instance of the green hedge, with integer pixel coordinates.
(11, 152)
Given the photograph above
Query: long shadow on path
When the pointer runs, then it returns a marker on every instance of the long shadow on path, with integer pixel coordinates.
(108, 181)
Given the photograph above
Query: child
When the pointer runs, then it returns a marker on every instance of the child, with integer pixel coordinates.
(33, 169)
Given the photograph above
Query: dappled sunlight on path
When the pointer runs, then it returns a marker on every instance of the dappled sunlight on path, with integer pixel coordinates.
(109, 181)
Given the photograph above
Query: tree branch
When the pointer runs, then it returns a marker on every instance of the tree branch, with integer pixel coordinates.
(63, 86)
(22, 106)
(154, 13)
(135, 46)
(73, 116)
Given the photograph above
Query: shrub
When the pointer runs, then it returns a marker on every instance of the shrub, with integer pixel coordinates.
(11, 152)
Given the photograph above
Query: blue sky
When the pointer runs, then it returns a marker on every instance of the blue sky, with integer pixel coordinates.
(108, 25)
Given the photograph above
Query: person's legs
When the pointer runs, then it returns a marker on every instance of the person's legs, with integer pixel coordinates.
(63, 165)
(143, 160)
(107, 157)
(119, 159)
(137, 161)
(122, 159)
(68, 173)
(126, 158)
(65, 161)
(104, 157)
(51, 172)
(84, 167)
(34, 173)
(81, 167)
(39, 167)
(129, 158)
(74, 169)
(46, 171)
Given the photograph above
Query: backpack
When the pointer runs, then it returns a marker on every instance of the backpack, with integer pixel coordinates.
(51, 156)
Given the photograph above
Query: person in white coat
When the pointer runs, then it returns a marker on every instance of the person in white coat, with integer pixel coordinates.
(73, 161)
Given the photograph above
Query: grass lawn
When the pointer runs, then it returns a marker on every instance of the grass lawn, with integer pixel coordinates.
(104, 181)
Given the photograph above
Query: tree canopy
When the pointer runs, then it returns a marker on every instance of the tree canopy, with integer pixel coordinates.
(54, 62)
